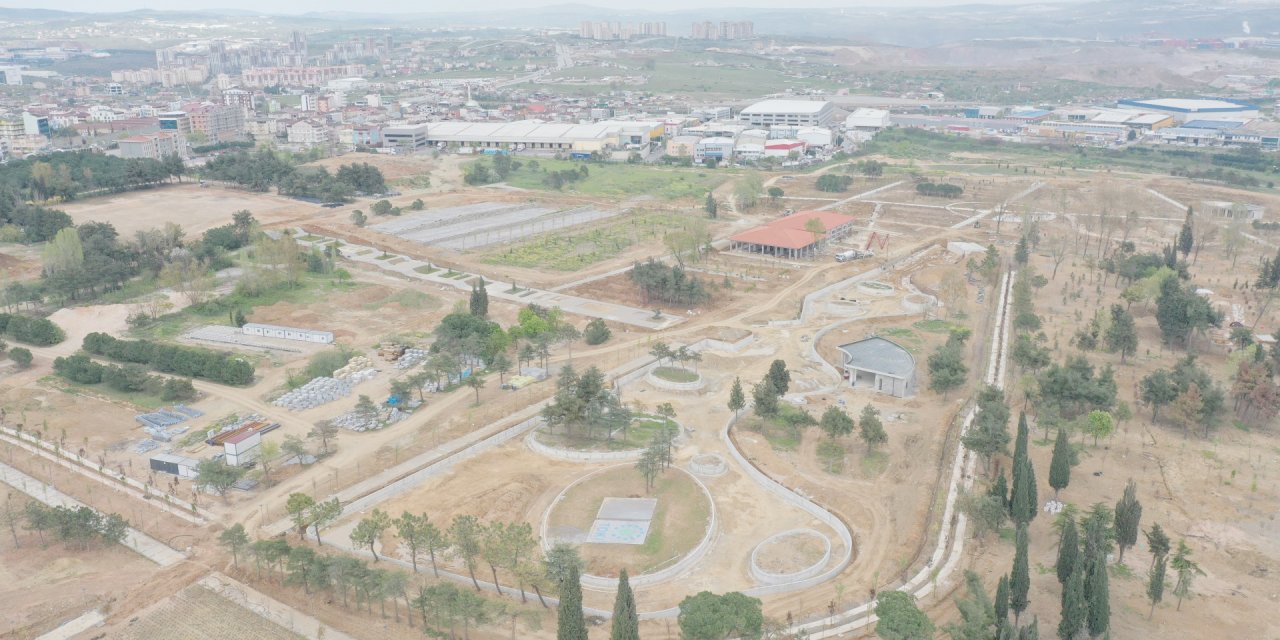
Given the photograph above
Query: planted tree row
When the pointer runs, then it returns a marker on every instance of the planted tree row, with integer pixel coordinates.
(41, 332)
(192, 362)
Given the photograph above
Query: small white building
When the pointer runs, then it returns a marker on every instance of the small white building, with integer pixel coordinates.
(1232, 210)
(870, 120)
(287, 333)
(881, 365)
(175, 465)
(720, 149)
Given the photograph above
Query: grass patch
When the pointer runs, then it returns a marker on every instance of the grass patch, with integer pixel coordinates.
(137, 399)
(784, 431)
(620, 180)
(874, 463)
(831, 454)
(675, 374)
(311, 237)
(311, 288)
(567, 250)
(642, 430)
(426, 269)
(407, 298)
(937, 326)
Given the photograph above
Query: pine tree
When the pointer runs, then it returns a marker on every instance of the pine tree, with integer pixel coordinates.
(1074, 606)
(1021, 252)
(1099, 596)
(1068, 551)
(1155, 586)
(1128, 516)
(1002, 600)
(1158, 543)
(1060, 465)
(737, 399)
(570, 624)
(1000, 489)
(779, 377)
(626, 624)
(1020, 579)
(1186, 569)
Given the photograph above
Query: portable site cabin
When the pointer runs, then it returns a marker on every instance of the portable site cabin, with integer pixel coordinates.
(175, 465)
(287, 333)
(239, 445)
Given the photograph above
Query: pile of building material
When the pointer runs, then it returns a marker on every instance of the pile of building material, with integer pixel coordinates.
(391, 352)
(315, 393)
(358, 364)
(360, 421)
(412, 358)
(160, 424)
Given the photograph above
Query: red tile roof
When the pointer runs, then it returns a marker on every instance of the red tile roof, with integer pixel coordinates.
(789, 232)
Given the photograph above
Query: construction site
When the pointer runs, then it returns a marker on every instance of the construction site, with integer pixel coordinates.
(811, 525)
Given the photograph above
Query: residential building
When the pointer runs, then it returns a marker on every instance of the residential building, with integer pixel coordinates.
(307, 133)
(298, 76)
(153, 146)
(218, 123)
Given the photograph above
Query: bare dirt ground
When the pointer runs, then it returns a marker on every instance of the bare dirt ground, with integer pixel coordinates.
(198, 613)
(194, 208)
(44, 585)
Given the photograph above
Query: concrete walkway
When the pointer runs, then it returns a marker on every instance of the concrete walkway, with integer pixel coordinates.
(860, 196)
(270, 608)
(75, 626)
(148, 547)
(501, 290)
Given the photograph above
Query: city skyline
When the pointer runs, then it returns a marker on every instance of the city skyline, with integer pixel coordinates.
(286, 7)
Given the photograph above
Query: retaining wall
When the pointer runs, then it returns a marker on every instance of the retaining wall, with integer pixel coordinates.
(768, 577)
(653, 379)
(572, 455)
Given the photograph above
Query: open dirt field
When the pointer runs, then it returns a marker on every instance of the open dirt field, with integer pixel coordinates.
(194, 208)
(43, 585)
(197, 613)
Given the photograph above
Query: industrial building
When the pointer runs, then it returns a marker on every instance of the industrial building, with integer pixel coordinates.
(1183, 109)
(287, 333)
(768, 113)
(788, 237)
(533, 134)
(881, 365)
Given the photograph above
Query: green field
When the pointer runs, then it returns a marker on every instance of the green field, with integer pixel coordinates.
(570, 251)
(675, 374)
(619, 180)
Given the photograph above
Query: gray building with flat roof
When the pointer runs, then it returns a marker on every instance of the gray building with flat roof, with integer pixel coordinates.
(880, 364)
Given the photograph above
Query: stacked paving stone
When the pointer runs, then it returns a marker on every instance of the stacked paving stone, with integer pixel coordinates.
(315, 393)
(412, 358)
(358, 364)
(354, 421)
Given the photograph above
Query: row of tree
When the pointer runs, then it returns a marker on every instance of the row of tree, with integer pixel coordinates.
(939, 189)
(22, 222)
(668, 284)
(129, 378)
(64, 176)
(78, 528)
(191, 362)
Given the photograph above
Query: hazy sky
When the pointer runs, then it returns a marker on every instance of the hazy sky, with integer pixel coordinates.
(396, 6)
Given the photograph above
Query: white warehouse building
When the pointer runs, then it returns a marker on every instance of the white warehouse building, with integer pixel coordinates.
(287, 333)
(795, 113)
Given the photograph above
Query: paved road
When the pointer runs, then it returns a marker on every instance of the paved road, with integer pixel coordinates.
(75, 626)
(149, 547)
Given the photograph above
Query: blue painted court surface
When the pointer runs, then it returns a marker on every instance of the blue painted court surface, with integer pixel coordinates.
(622, 521)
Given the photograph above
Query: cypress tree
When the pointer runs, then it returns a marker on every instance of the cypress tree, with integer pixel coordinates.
(1068, 551)
(626, 624)
(1023, 501)
(1074, 606)
(1020, 441)
(1002, 600)
(1099, 596)
(1155, 587)
(1031, 631)
(478, 305)
(570, 624)
(1020, 579)
(1060, 466)
(1127, 518)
